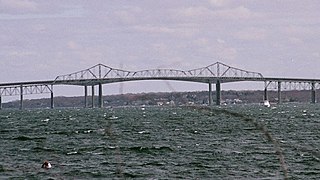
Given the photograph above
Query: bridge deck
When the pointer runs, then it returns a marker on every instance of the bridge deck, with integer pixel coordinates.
(82, 82)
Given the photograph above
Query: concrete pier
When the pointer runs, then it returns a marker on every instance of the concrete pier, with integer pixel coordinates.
(218, 93)
(21, 97)
(265, 96)
(279, 92)
(52, 100)
(100, 96)
(85, 96)
(313, 93)
(210, 94)
(92, 91)
(0, 102)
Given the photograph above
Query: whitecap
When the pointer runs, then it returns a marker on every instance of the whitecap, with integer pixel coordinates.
(237, 152)
(45, 120)
(143, 132)
(316, 158)
(73, 152)
(24, 149)
(113, 117)
(88, 131)
(97, 153)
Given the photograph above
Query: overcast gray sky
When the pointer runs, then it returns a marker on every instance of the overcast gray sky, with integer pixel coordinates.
(41, 39)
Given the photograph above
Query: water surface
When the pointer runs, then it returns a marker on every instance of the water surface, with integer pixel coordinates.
(161, 143)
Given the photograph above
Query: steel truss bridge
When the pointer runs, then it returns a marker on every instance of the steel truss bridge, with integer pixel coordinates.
(100, 74)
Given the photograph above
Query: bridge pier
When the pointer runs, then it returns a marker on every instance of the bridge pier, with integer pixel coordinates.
(265, 95)
(313, 93)
(85, 96)
(100, 96)
(52, 100)
(0, 102)
(218, 93)
(92, 97)
(279, 92)
(210, 94)
(21, 97)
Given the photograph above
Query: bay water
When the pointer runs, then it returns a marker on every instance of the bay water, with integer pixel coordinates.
(229, 142)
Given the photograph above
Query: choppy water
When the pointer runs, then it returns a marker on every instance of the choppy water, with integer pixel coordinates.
(162, 143)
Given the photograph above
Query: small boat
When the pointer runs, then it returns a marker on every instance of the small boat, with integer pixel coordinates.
(266, 103)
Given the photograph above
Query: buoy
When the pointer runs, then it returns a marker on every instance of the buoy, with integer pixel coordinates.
(46, 165)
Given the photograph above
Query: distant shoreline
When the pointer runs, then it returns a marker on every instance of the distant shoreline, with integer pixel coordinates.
(165, 99)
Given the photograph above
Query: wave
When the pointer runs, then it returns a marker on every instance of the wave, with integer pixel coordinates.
(154, 163)
(150, 150)
(46, 149)
(27, 138)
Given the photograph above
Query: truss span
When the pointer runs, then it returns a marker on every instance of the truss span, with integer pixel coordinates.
(25, 89)
(102, 72)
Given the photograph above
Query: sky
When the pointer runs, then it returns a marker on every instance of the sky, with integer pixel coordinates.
(41, 39)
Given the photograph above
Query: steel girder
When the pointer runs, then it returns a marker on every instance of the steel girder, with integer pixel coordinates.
(292, 85)
(26, 89)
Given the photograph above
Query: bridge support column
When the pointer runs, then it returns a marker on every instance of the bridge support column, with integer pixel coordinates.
(265, 95)
(92, 91)
(21, 97)
(210, 94)
(279, 92)
(100, 96)
(85, 96)
(52, 100)
(0, 102)
(313, 93)
(218, 93)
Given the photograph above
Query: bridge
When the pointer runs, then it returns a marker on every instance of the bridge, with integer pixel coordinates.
(100, 74)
